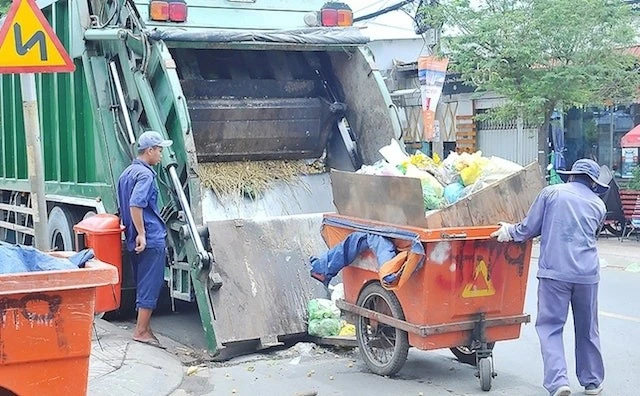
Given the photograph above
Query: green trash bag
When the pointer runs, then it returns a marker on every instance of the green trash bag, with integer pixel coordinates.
(325, 327)
(320, 308)
(432, 200)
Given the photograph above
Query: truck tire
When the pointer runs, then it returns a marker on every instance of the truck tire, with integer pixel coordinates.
(60, 229)
(90, 213)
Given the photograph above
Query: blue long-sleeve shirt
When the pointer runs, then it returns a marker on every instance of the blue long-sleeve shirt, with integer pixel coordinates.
(137, 188)
(567, 217)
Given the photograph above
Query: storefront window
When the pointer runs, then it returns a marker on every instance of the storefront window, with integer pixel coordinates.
(596, 133)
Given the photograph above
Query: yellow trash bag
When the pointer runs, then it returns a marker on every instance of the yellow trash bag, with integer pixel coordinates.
(471, 173)
(348, 330)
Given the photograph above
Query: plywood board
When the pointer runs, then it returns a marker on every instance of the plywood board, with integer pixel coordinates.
(390, 199)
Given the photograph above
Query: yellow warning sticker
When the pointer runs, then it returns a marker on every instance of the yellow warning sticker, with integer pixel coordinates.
(28, 44)
(481, 286)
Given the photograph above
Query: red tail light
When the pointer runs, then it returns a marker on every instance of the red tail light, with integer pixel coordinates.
(159, 10)
(177, 10)
(329, 17)
(336, 14)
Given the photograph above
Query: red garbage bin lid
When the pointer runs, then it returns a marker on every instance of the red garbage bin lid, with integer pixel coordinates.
(103, 223)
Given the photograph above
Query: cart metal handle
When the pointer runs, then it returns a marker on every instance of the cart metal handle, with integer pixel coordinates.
(428, 330)
(462, 235)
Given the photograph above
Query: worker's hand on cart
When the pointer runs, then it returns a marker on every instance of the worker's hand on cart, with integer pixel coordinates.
(502, 234)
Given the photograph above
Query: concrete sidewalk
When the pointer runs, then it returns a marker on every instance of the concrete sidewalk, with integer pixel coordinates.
(613, 253)
(123, 367)
(623, 255)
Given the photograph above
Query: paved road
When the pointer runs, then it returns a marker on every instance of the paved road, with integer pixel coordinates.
(518, 362)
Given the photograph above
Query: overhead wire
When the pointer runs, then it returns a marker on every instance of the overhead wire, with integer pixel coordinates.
(369, 6)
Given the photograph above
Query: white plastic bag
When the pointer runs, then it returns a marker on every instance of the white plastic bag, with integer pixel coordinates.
(498, 168)
(393, 153)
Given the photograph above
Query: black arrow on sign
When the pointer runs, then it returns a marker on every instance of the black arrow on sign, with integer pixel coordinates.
(37, 38)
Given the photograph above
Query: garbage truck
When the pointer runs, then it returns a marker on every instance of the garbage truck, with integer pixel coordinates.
(246, 82)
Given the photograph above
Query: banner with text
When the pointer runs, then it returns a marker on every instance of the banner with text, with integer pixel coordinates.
(432, 71)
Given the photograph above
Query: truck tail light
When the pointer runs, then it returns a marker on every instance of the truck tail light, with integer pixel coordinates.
(329, 17)
(345, 17)
(159, 10)
(177, 10)
(336, 14)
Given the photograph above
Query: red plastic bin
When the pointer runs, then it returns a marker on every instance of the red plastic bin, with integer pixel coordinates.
(103, 234)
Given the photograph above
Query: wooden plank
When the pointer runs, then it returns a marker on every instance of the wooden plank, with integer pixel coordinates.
(464, 117)
(461, 142)
(390, 199)
(337, 341)
(253, 257)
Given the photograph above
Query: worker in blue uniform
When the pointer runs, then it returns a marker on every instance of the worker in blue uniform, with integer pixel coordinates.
(144, 229)
(567, 217)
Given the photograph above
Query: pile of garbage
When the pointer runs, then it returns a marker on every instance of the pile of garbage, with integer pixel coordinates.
(443, 182)
(324, 316)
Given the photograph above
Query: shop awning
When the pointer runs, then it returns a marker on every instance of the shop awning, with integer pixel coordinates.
(632, 138)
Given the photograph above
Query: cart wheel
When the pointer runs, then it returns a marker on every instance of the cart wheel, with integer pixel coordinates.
(467, 355)
(485, 371)
(383, 347)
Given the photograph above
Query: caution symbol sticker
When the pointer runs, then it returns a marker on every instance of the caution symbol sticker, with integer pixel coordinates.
(28, 44)
(481, 286)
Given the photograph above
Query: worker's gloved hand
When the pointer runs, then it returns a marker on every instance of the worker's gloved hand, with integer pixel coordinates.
(502, 234)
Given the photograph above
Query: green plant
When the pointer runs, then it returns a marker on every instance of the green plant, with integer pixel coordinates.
(4, 6)
(634, 184)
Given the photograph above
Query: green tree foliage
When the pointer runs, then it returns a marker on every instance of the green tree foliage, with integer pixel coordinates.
(634, 184)
(540, 54)
(4, 6)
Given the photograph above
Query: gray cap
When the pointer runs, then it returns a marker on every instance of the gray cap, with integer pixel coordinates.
(587, 167)
(152, 139)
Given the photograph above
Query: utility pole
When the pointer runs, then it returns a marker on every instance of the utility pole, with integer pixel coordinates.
(34, 159)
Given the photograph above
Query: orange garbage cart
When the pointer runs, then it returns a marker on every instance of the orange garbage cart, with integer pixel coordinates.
(467, 294)
(45, 329)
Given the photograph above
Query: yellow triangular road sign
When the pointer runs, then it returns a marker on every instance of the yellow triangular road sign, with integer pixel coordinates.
(28, 44)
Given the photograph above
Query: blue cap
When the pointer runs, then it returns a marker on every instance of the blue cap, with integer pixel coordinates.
(152, 139)
(587, 167)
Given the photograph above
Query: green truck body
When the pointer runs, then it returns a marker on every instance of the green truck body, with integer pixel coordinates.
(238, 81)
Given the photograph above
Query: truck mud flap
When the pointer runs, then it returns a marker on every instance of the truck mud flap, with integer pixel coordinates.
(264, 266)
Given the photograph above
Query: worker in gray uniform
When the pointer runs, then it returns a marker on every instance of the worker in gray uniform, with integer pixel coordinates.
(567, 217)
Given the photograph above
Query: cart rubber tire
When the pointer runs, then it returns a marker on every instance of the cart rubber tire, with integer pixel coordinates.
(401, 347)
(466, 355)
(484, 369)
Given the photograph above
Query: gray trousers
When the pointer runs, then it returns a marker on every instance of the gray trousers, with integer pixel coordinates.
(553, 307)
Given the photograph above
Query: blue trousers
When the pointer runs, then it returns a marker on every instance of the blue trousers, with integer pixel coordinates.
(148, 271)
(554, 298)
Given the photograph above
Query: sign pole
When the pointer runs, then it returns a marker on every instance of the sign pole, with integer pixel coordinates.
(34, 159)
(29, 45)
